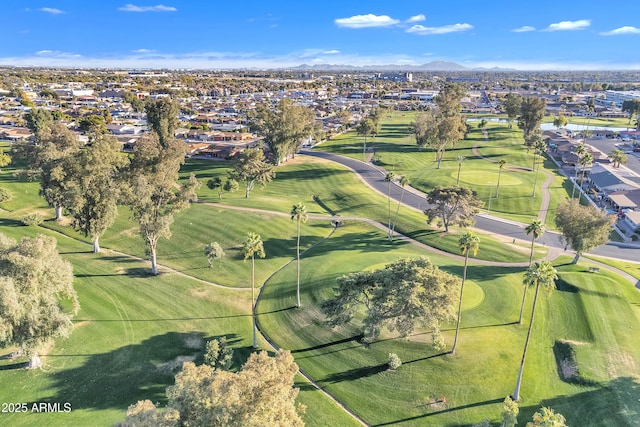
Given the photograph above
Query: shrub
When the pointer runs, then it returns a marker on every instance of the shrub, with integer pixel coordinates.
(5, 195)
(394, 361)
(32, 219)
(217, 354)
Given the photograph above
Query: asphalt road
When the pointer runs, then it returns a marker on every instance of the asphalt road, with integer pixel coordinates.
(374, 177)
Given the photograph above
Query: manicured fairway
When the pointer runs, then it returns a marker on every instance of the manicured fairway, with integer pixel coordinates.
(338, 192)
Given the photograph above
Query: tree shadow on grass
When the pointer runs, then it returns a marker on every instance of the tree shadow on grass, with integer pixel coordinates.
(356, 373)
(443, 411)
(6, 222)
(615, 402)
(330, 344)
(121, 377)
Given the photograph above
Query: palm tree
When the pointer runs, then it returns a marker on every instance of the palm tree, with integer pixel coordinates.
(251, 247)
(298, 213)
(404, 181)
(579, 151)
(389, 178)
(539, 148)
(468, 243)
(617, 157)
(536, 229)
(501, 164)
(544, 274)
(461, 160)
(585, 162)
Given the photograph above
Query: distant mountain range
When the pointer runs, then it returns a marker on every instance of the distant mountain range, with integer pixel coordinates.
(429, 66)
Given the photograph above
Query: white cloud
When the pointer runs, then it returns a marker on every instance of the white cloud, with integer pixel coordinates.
(524, 29)
(331, 52)
(51, 10)
(417, 18)
(143, 50)
(621, 31)
(158, 8)
(569, 25)
(425, 31)
(366, 21)
(57, 54)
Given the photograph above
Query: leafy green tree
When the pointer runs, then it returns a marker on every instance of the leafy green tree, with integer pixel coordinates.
(5, 159)
(482, 124)
(366, 128)
(49, 94)
(501, 164)
(230, 185)
(52, 158)
(560, 121)
(401, 296)
(38, 121)
(283, 128)
(213, 251)
(536, 229)
(404, 182)
(252, 247)
(260, 394)
(216, 184)
(583, 227)
(512, 106)
(531, 114)
(546, 417)
(389, 177)
(152, 194)
(631, 106)
(33, 282)
(452, 205)
(460, 160)
(218, 354)
(93, 124)
(132, 99)
(250, 168)
(443, 127)
(617, 157)
(509, 413)
(162, 118)
(93, 187)
(538, 274)
(298, 214)
(469, 243)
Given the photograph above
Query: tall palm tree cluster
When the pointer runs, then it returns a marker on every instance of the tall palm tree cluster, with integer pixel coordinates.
(539, 274)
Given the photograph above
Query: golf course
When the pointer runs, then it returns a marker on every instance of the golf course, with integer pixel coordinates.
(134, 330)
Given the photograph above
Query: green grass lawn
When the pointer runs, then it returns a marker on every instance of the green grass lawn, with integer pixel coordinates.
(632, 268)
(132, 333)
(338, 192)
(474, 385)
(133, 329)
(396, 150)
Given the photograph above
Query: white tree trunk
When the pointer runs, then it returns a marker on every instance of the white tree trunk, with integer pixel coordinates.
(154, 265)
(59, 215)
(96, 245)
(34, 362)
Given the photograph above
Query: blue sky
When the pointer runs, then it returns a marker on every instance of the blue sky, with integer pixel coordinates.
(532, 35)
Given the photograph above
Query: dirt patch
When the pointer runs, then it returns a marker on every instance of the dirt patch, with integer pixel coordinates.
(80, 324)
(199, 292)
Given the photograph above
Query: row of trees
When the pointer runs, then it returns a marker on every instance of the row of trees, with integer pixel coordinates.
(89, 181)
